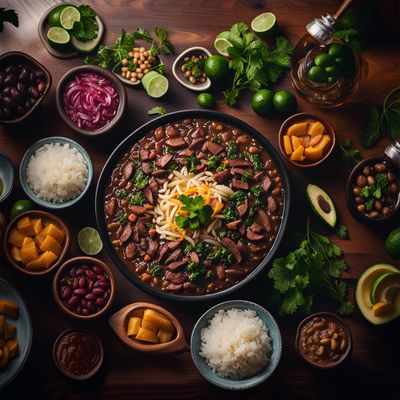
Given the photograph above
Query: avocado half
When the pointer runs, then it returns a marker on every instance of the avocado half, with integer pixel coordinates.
(364, 286)
(321, 204)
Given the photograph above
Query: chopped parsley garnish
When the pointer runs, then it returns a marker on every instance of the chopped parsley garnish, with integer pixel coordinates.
(120, 193)
(197, 272)
(169, 149)
(191, 162)
(214, 162)
(172, 166)
(156, 270)
(216, 138)
(139, 179)
(203, 249)
(255, 159)
(238, 197)
(121, 217)
(232, 150)
(222, 255)
(246, 177)
(187, 248)
(258, 193)
(138, 199)
(199, 214)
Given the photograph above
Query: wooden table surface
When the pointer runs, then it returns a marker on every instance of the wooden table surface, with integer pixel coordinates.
(374, 366)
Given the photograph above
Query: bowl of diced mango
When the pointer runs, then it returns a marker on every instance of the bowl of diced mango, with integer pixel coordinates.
(306, 140)
(36, 242)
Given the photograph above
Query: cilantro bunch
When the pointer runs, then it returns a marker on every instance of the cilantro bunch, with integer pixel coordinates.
(313, 269)
(199, 214)
(87, 28)
(349, 153)
(254, 64)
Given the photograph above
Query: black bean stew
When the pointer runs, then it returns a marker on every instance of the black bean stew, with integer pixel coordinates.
(249, 218)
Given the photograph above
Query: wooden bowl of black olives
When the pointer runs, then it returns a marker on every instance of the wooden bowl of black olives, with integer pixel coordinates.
(372, 193)
(24, 83)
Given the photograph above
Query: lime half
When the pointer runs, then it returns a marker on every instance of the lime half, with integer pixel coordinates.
(155, 84)
(264, 23)
(54, 17)
(69, 16)
(89, 241)
(58, 37)
(222, 44)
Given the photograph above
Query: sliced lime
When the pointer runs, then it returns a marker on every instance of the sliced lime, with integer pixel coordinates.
(156, 85)
(264, 23)
(69, 16)
(147, 77)
(85, 47)
(89, 241)
(54, 17)
(222, 45)
(58, 37)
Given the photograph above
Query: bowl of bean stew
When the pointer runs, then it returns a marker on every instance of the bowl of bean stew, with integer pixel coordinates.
(192, 205)
(372, 191)
(24, 83)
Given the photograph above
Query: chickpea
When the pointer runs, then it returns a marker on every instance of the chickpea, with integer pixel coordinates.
(366, 170)
(123, 74)
(134, 74)
(187, 74)
(140, 75)
(394, 188)
(136, 55)
(136, 49)
(380, 167)
(146, 71)
(124, 69)
(186, 59)
(202, 79)
(385, 211)
(146, 53)
(146, 62)
(124, 61)
(142, 66)
(133, 79)
(138, 70)
(141, 58)
(135, 60)
(357, 191)
(150, 58)
(361, 208)
(391, 176)
(378, 205)
(128, 74)
(192, 79)
(130, 54)
(142, 49)
(373, 214)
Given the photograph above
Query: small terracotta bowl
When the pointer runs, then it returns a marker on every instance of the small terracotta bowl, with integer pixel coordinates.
(301, 117)
(119, 323)
(338, 321)
(47, 217)
(77, 262)
(65, 371)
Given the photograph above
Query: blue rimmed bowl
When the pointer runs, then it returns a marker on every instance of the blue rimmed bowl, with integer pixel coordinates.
(246, 383)
(24, 165)
(6, 176)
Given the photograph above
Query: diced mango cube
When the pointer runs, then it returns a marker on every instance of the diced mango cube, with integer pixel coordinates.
(323, 143)
(54, 232)
(28, 241)
(9, 308)
(134, 324)
(29, 253)
(159, 320)
(287, 145)
(298, 129)
(315, 140)
(312, 153)
(316, 129)
(164, 337)
(295, 142)
(50, 244)
(149, 325)
(37, 225)
(16, 238)
(15, 254)
(24, 225)
(146, 335)
(43, 261)
(298, 154)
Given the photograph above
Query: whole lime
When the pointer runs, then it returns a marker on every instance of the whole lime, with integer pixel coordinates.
(205, 100)
(392, 243)
(262, 101)
(21, 206)
(285, 102)
(216, 67)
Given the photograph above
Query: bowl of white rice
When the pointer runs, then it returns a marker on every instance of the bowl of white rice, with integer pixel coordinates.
(236, 345)
(55, 172)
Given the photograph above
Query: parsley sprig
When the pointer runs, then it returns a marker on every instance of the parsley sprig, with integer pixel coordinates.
(199, 214)
(9, 16)
(373, 192)
(158, 110)
(87, 28)
(349, 153)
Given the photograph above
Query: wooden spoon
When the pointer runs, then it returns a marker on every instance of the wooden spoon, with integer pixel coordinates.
(119, 323)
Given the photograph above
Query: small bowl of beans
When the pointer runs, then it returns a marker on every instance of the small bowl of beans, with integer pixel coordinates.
(188, 69)
(323, 340)
(84, 287)
(24, 83)
(372, 192)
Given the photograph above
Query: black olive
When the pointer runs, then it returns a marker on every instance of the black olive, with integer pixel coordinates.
(11, 69)
(15, 94)
(9, 102)
(33, 92)
(10, 80)
(28, 104)
(21, 87)
(24, 75)
(6, 91)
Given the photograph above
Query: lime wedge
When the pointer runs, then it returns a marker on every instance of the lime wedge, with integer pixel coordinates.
(263, 24)
(58, 37)
(155, 84)
(221, 45)
(69, 16)
(89, 241)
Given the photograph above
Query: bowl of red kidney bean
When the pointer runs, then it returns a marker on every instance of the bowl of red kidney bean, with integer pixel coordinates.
(84, 287)
(372, 192)
(24, 83)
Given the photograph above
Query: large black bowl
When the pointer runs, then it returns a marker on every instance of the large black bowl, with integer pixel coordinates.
(138, 134)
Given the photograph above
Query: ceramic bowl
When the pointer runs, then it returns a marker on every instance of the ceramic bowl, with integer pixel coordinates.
(23, 333)
(339, 322)
(24, 165)
(301, 117)
(76, 262)
(176, 69)
(17, 57)
(119, 323)
(119, 87)
(246, 383)
(6, 176)
(47, 217)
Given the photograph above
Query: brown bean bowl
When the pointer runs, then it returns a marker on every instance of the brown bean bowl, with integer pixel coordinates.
(67, 373)
(346, 330)
(19, 56)
(78, 261)
(301, 117)
(119, 87)
(48, 217)
(349, 192)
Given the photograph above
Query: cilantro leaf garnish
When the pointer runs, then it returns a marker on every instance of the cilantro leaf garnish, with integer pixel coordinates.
(199, 214)
(350, 154)
(158, 110)
(9, 16)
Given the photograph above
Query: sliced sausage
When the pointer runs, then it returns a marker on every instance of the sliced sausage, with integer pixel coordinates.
(126, 233)
(272, 204)
(221, 176)
(166, 248)
(138, 210)
(213, 147)
(244, 251)
(160, 173)
(196, 143)
(143, 244)
(127, 172)
(208, 263)
(152, 248)
(135, 234)
(240, 171)
(149, 195)
(141, 227)
(194, 257)
(242, 208)
(242, 229)
(153, 186)
(144, 155)
(256, 227)
(189, 286)
(258, 175)
(234, 224)
(220, 271)
(176, 277)
(263, 220)
(186, 153)
(231, 246)
(174, 288)
(237, 162)
(176, 142)
(172, 131)
(254, 248)
(146, 167)
(173, 256)
(163, 161)
(111, 207)
(236, 184)
(234, 273)
(130, 251)
(253, 236)
(177, 264)
(266, 183)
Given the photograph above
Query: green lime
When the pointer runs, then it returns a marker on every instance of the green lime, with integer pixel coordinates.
(337, 50)
(21, 206)
(331, 79)
(222, 45)
(205, 100)
(216, 67)
(262, 101)
(69, 16)
(264, 24)
(317, 74)
(54, 16)
(324, 60)
(89, 241)
(332, 71)
(58, 37)
(285, 102)
(392, 243)
(155, 84)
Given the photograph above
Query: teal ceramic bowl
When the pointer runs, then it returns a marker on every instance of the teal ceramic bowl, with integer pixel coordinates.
(23, 333)
(6, 176)
(24, 165)
(246, 383)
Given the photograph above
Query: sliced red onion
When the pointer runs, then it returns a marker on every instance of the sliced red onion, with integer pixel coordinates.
(91, 101)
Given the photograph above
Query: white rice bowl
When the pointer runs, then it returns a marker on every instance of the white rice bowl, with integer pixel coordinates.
(235, 343)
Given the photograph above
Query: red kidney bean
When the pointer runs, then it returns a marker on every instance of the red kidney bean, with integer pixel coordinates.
(106, 295)
(90, 297)
(103, 284)
(102, 277)
(98, 291)
(66, 293)
(80, 292)
(85, 311)
(84, 303)
(78, 310)
(75, 282)
(90, 305)
(97, 269)
(91, 284)
(73, 300)
(100, 302)
(90, 274)
(82, 282)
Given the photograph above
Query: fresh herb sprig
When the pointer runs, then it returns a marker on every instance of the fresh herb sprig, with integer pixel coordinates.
(349, 36)
(197, 67)
(87, 27)
(198, 213)
(349, 153)
(374, 192)
(9, 16)
(158, 110)
(313, 269)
